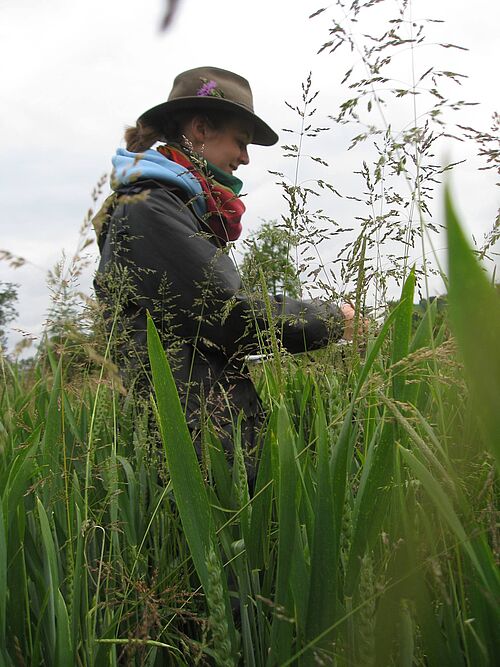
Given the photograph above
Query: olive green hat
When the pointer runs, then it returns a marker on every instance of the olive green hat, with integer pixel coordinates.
(211, 88)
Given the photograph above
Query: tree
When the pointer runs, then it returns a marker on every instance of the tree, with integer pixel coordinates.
(64, 316)
(8, 296)
(269, 250)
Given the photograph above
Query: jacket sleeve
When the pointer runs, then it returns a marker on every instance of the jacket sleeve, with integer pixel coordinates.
(173, 266)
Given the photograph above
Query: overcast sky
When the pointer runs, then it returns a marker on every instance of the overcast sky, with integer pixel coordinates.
(75, 72)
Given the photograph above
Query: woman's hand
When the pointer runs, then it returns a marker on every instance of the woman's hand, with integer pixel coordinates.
(348, 312)
(349, 321)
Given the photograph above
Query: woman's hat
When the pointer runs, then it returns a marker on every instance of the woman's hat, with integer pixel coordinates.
(211, 88)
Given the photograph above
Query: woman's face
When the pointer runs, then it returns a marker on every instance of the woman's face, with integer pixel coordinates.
(226, 147)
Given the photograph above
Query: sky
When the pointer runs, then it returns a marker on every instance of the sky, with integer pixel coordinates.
(76, 72)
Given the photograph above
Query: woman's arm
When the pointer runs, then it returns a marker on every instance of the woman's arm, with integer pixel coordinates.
(158, 241)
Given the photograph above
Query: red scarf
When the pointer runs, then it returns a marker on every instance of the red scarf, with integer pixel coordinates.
(223, 208)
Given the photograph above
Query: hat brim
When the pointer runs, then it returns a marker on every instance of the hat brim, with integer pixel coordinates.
(263, 135)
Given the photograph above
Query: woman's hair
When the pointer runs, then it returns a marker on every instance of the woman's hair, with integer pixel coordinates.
(141, 137)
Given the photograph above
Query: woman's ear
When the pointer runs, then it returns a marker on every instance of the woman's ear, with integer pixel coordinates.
(197, 131)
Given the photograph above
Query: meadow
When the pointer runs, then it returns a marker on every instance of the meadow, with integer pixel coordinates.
(371, 536)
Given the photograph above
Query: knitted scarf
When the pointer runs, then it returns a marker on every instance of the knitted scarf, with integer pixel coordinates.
(223, 208)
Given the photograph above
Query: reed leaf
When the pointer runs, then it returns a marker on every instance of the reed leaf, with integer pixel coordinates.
(339, 459)
(51, 576)
(3, 579)
(476, 549)
(64, 651)
(370, 506)
(285, 479)
(402, 333)
(258, 544)
(52, 429)
(22, 468)
(184, 470)
(423, 334)
(322, 587)
(475, 318)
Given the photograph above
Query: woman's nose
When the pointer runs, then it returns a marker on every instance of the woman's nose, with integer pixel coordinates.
(244, 157)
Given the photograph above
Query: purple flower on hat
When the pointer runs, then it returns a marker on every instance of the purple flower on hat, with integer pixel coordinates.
(209, 89)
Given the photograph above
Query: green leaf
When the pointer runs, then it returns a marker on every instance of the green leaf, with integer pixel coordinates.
(370, 504)
(187, 482)
(260, 521)
(285, 481)
(50, 572)
(422, 336)
(340, 451)
(402, 333)
(21, 469)
(371, 499)
(52, 431)
(219, 465)
(64, 653)
(322, 593)
(128, 500)
(481, 559)
(79, 580)
(3, 578)
(375, 348)
(475, 319)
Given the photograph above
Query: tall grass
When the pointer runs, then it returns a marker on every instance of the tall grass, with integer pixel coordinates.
(369, 539)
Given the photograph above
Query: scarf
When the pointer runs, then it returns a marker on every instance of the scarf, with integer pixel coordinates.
(223, 207)
(213, 196)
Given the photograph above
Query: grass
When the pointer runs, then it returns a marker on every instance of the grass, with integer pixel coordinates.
(369, 540)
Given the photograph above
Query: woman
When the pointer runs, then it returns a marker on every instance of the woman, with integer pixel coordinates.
(162, 244)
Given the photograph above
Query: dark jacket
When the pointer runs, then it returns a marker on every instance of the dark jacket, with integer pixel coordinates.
(157, 255)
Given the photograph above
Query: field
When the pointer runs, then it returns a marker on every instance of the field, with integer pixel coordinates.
(370, 538)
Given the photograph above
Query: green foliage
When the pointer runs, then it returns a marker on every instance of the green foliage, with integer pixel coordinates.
(370, 544)
(473, 297)
(421, 309)
(270, 250)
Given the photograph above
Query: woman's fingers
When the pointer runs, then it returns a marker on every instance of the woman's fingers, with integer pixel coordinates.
(349, 321)
(348, 312)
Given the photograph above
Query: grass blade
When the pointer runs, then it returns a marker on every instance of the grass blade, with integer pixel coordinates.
(402, 333)
(3, 578)
(322, 594)
(187, 481)
(471, 293)
(484, 565)
(285, 479)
